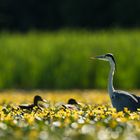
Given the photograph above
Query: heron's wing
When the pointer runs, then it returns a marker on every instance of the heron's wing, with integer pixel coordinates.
(137, 97)
(131, 97)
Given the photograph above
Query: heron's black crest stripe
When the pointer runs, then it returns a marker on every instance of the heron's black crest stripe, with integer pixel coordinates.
(110, 55)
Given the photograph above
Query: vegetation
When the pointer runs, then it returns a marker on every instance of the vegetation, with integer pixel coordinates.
(61, 60)
(96, 119)
(54, 14)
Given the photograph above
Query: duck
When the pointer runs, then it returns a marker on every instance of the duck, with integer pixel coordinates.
(72, 104)
(37, 98)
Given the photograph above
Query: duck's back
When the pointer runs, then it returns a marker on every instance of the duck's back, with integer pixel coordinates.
(26, 106)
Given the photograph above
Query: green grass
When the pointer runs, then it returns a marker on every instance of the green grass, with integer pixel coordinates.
(60, 60)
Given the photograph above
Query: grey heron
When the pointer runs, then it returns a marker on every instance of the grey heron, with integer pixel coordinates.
(120, 99)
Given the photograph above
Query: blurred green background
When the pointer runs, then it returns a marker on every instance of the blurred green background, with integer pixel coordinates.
(47, 44)
(25, 15)
(61, 59)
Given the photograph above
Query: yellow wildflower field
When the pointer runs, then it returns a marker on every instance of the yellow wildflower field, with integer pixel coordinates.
(94, 119)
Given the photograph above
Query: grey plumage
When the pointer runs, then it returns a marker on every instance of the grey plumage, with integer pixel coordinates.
(120, 99)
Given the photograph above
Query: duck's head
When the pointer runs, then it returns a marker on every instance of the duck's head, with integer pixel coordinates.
(38, 98)
(72, 101)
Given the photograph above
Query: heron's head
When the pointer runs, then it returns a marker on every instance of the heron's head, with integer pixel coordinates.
(106, 57)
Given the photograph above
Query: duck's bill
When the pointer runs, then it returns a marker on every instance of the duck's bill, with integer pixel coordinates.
(45, 101)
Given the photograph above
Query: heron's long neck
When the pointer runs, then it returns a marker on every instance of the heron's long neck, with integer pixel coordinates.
(110, 79)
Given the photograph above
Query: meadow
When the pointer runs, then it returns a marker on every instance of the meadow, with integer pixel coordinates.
(59, 61)
(95, 120)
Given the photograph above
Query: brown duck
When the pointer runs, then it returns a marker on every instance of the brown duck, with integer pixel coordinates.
(72, 104)
(37, 98)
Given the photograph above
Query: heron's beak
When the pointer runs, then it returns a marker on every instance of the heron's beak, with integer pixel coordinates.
(100, 57)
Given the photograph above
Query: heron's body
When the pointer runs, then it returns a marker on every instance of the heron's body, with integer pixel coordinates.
(120, 99)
